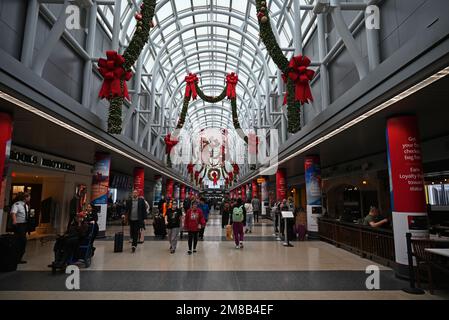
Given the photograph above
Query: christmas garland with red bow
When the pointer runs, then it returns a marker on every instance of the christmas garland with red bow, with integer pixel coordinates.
(193, 90)
(116, 69)
(169, 145)
(295, 72)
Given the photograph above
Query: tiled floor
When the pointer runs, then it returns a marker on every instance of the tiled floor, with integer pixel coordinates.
(264, 269)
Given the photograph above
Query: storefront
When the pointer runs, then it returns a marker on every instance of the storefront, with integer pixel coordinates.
(57, 186)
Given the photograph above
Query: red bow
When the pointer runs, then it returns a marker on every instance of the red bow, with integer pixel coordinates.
(112, 71)
(301, 76)
(231, 176)
(215, 177)
(236, 168)
(231, 80)
(191, 81)
(169, 143)
(190, 168)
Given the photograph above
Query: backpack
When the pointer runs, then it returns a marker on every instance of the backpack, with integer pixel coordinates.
(237, 214)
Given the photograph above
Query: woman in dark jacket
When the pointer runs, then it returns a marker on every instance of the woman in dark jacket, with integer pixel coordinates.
(173, 222)
(92, 217)
(225, 214)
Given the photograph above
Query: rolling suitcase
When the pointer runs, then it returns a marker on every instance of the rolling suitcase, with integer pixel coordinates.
(159, 226)
(8, 253)
(118, 240)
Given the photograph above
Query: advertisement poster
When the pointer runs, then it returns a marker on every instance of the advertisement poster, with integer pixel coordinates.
(313, 180)
(139, 180)
(407, 192)
(281, 185)
(157, 190)
(5, 150)
(170, 188)
(100, 186)
(183, 192)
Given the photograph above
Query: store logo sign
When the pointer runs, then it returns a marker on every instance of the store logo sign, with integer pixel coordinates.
(43, 162)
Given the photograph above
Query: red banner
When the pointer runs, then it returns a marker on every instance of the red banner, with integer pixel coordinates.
(255, 192)
(5, 148)
(281, 185)
(405, 165)
(170, 187)
(139, 180)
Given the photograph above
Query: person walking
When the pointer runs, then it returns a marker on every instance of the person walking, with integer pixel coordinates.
(256, 208)
(136, 211)
(19, 217)
(205, 209)
(194, 221)
(238, 221)
(249, 217)
(173, 222)
(225, 214)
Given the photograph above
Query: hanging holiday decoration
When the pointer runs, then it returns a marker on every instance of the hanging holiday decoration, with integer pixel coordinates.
(116, 69)
(214, 175)
(236, 168)
(169, 145)
(295, 71)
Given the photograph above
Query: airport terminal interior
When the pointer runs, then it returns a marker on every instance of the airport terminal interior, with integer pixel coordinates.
(224, 149)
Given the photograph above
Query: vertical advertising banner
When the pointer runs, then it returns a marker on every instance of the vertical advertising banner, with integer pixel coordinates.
(183, 192)
(407, 192)
(157, 190)
(281, 185)
(100, 187)
(139, 180)
(312, 173)
(255, 191)
(5, 150)
(264, 191)
(176, 192)
(169, 189)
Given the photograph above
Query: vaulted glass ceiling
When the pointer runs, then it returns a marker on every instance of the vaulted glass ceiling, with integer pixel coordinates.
(209, 38)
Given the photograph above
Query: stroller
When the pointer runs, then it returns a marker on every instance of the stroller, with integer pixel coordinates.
(160, 229)
(84, 252)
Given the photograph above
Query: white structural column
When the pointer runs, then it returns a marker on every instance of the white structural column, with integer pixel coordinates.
(324, 72)
(55, 34)
(116, 25)
(348, 39)
(90, 46)
(29, 34)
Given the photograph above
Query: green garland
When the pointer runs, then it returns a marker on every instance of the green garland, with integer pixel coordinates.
(131, 54)
(210, 99)
(276, 54)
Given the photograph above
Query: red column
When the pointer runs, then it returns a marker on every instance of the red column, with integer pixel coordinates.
(139, 180)
(243, 193)
(5, 148)
(170, 186)
(281, 185)
(255, 191)
(183, 192)
(408, 200)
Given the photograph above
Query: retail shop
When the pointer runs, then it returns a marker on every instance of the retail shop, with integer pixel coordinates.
(56, 186)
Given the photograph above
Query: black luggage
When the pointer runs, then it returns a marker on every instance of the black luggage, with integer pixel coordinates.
(8, 253)
(118, 240)
(159, 226)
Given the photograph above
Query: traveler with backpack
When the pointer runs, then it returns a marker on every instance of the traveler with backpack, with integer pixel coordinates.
(238, 221)
(194, 221)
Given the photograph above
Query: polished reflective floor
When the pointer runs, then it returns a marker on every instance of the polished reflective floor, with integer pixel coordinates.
(263, 269)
